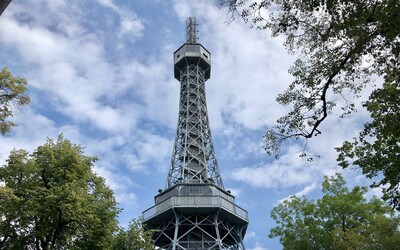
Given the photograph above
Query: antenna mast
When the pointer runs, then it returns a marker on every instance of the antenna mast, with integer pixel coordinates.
(191, 30)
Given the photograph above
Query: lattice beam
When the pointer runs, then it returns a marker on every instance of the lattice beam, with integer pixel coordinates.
(197, 231)
(193, 157)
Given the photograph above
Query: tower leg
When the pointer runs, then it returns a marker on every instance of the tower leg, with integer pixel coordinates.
(217, 230)
(176, 231)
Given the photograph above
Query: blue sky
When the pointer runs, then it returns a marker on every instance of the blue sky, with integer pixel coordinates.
(101, 73)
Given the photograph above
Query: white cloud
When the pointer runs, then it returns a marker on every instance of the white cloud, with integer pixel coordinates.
(273, 176)
(74, 71)
(31, 132)
(148, 150)
(258, 246)
(131, 26)
(152, 83)
(306, 190)
(235, 191)
(108, 3)
(130, 23)
(183, 9)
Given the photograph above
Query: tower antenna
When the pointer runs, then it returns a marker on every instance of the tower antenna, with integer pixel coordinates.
(191, 30)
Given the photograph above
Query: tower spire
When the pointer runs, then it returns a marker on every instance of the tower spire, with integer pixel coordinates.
(191, 30)
(194, 211)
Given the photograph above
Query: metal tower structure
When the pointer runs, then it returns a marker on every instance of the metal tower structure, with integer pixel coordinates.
(3, 5)
(195, 211)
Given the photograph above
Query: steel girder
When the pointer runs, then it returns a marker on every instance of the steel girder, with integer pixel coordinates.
(198, 231)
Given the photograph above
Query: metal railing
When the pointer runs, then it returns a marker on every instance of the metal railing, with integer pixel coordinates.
(194, 202)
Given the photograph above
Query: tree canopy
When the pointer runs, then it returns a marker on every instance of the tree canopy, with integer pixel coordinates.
(51, 199)
(134, 238)
(377, 149)
(342, 46)
(12, 96)
(341, 219)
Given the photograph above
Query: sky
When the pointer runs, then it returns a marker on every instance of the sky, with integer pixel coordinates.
(101, 73)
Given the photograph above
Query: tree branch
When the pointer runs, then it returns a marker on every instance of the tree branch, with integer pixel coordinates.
(324, 92)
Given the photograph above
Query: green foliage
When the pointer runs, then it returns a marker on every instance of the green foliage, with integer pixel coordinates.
(12, 95)
(377, 150)
(341, 47)
(134, 238)
(51, 199)
(341, 219)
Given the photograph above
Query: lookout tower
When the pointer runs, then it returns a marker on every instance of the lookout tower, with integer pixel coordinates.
(195, 211)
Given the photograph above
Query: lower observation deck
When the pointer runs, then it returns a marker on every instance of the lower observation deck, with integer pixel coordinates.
(208, 200)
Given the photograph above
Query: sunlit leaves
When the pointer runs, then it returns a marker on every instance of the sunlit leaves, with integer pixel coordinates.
(341, 219)
(377, 149)
(53, 200)
(134, 238)
(12, 96)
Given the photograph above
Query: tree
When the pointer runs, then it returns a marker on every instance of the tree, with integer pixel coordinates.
(134, 238)
(377, 148)
(342, 47)
(341, 219)
(12, 95)
(51, 199)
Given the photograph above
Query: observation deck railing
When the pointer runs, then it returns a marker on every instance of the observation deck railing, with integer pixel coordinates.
(205, 201)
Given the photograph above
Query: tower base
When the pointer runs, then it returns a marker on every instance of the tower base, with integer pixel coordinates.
(198, 232)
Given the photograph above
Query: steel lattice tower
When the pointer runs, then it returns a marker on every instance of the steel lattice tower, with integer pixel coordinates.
(194, 211)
